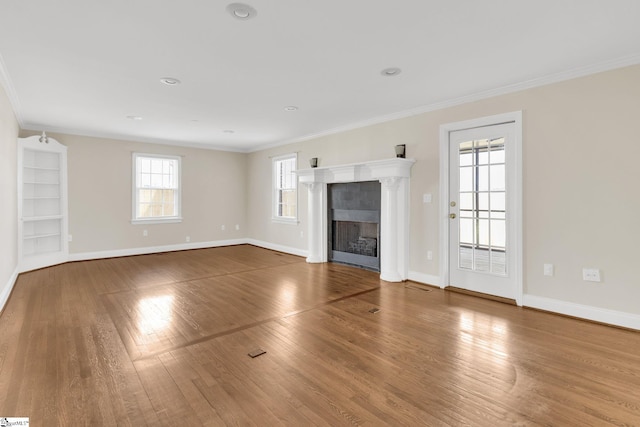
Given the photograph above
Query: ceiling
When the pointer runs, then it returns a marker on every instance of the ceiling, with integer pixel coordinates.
(84, 66)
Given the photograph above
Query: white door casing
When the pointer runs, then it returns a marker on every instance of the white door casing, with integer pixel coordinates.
(476, 264)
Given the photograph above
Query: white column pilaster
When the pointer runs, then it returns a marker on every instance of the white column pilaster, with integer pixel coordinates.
(316, 221)
(389, 269)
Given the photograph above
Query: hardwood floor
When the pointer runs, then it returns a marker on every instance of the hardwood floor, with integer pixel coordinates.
(163, 340)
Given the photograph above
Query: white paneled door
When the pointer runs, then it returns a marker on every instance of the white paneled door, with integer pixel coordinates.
(482, 210)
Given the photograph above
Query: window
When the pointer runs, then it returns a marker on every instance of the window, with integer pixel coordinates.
(285, 193)
(156, 188)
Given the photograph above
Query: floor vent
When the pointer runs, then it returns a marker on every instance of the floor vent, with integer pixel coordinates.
(418, 287)
(257, 352)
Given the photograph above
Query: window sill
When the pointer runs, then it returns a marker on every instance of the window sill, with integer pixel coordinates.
(289, 221)
(171, 220)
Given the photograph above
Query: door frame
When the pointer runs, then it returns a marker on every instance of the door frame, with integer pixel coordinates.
(445, 130)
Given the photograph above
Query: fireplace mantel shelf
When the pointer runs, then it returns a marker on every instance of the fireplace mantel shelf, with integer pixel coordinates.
(394, 174)
(355, 172)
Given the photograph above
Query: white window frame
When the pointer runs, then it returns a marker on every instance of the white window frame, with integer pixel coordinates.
(134, 193)
(274, 185)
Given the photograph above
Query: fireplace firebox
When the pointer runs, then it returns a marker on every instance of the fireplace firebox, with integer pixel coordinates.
(354, 223)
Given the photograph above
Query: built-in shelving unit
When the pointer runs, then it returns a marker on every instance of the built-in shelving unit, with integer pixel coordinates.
(42, 202)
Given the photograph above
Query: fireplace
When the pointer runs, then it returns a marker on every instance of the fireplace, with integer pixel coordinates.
(354, 223)
(392, 242)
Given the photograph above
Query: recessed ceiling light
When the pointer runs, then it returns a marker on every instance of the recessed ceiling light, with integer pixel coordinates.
(170, 81)
(134, 117)
(391, 72)
(241, 11)
(290, 108)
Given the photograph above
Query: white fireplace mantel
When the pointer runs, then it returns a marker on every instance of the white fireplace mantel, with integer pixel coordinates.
(394, 174)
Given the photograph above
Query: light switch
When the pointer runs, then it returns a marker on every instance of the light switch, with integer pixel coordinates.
(548, 269)
(426, 198)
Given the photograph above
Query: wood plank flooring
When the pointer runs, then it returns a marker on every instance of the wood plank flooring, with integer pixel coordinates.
(163, 340)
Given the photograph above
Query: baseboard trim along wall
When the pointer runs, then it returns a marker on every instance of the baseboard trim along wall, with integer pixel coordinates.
(603, 315)
(276, 247)
(85, 256)
(596, 314)
(8, 287)
(427, 279)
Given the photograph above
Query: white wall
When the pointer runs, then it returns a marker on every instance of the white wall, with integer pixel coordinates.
(8, 194)
(580, 155)
(100, 186)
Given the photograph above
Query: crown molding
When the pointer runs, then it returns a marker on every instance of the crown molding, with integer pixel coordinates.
(129, 138)
(6, 83)
(503, 90)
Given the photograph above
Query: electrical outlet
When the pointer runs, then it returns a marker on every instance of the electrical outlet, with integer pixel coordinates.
(301, 234)
(548, 269)
(237, 227)
(430, 255)
(70, 238)
(222, 227)
(591, 274)
(145, 233)
(426, 198)
(188, 239)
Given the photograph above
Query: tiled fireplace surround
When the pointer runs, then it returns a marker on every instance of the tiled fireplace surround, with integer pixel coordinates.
(394, 176)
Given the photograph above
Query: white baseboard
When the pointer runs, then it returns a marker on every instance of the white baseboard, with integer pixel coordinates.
(427, 279)
(84, 256)
(276, 247)
(611, 317)
(7, 288)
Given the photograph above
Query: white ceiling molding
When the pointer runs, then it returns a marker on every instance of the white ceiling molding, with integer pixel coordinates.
(5, 81)
(541, 81)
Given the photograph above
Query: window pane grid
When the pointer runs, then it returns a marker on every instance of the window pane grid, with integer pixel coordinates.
(285, 182)
(482, 223)
(156, 187)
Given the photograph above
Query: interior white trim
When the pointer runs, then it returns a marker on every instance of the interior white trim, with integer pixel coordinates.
(85, 256)
(445, 129)
(7, 288)
(427, 279)
(6, 83)
(280, 248)
(611, 317)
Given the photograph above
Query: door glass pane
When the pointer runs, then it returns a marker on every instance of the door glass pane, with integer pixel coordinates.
(482, 201)
(497, 153)
(497, 201)
(466, 231)
(498, 262)
(466, 179)
(466, 159)
(498, 234)
(483, 156)
(483, 178)
(466, 201)
(497, 178)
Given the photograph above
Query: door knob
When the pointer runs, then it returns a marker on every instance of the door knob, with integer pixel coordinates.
(452, 215)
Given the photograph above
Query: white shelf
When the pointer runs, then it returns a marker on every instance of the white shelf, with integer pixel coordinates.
(40, 183)
(42, 218)
(39, 168)
(41, 236)
(42, 207)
